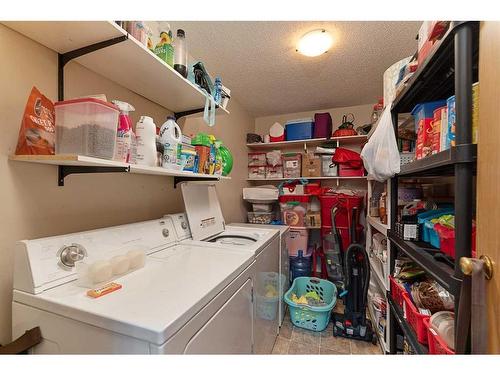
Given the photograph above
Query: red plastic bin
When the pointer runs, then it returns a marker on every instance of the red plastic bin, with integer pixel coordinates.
(345, 204)
(447, 239)
(347, 171)
(436, 344)
(415, 319)
(344, 235)
(397, 291)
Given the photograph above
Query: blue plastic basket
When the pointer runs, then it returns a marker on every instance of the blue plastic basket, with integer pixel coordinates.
(313, 318)
(427, 232)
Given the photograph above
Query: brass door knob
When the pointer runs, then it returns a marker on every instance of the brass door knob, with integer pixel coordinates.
(466, 266)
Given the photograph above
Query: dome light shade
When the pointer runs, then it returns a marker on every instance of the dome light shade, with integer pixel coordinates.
(315, 43)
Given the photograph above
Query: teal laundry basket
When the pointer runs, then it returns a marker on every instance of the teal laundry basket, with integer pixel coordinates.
(314, 318)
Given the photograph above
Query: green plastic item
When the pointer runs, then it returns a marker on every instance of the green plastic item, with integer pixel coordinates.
(227, 160)
(201, 139)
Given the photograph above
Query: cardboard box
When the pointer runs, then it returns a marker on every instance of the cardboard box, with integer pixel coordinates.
(311, 165)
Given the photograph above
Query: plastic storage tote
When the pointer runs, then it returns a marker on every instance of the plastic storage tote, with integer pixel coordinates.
(297, 130)
(447, 239)
(86, 127)
(313, 318)
(423, 217)
(296, 240)
(415, 319)
(293, 209)
(328, 168)
(435, 343)
(348, 171)
(256, 159)
(274, 172)
(257, 173)
(268, 294)
(397, 291)
(260, 217)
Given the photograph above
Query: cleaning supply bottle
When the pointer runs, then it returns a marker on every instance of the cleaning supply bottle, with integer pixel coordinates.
(171, 139)
(124, 134)
(202, 143)
(145, 131)
(164, 49)
(218, 90)
(180, 53)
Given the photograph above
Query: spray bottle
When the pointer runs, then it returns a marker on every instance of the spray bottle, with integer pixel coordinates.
(125, 134)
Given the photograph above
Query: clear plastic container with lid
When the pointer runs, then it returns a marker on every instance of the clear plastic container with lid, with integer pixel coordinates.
(293, 209)
(86, 127)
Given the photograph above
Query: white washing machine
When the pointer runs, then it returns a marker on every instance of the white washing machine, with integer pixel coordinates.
(204, 225)
(186, 299)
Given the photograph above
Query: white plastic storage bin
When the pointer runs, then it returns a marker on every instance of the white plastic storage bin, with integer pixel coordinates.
(260, 217)
(328, 169)
(86, 127)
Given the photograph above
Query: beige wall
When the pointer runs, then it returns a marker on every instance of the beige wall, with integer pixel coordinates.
(34, 206)
(362, 114)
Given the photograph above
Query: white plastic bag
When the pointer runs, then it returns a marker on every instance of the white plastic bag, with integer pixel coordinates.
(381, 155)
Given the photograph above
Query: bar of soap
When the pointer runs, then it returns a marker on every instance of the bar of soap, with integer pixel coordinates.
(120, 264)
(99, 271)
(137, 258)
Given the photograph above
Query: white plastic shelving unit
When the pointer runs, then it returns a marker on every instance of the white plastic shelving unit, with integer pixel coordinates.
(379, 269)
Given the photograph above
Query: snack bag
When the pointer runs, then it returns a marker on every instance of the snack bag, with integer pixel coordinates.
(37, 133)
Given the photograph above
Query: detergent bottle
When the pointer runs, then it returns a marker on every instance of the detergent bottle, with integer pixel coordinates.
(202, 143)
(171, 139)
(124, 134)
(145, 131)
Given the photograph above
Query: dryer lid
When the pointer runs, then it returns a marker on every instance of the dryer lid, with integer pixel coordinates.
(202, 209)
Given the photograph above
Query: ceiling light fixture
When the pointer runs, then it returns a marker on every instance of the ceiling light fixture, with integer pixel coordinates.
(315, 43)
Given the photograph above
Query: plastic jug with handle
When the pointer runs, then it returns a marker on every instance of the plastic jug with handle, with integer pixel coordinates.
(171, 139)
(145, 131)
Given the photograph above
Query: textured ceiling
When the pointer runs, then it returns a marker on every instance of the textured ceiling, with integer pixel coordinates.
(258, 61)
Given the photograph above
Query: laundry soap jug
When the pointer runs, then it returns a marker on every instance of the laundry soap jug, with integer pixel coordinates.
(202, 144)
(145, 132)
(124, 134)
(171, 139)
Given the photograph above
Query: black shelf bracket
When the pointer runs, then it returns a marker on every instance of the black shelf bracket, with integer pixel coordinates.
(179, 179)
(64, 58)
(178, 115)
(66, 170)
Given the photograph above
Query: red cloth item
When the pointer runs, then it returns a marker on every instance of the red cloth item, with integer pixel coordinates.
(345, 156)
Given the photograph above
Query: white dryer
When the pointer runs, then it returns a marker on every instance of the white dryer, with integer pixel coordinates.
(203, 224)
(186, 299)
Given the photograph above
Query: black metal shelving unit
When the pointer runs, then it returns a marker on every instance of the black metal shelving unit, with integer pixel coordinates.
(450, 69)
(398, 315)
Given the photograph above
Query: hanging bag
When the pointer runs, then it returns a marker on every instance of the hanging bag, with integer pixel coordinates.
(381, 155)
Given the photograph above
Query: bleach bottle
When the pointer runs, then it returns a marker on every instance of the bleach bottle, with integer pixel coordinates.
(171, 139)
